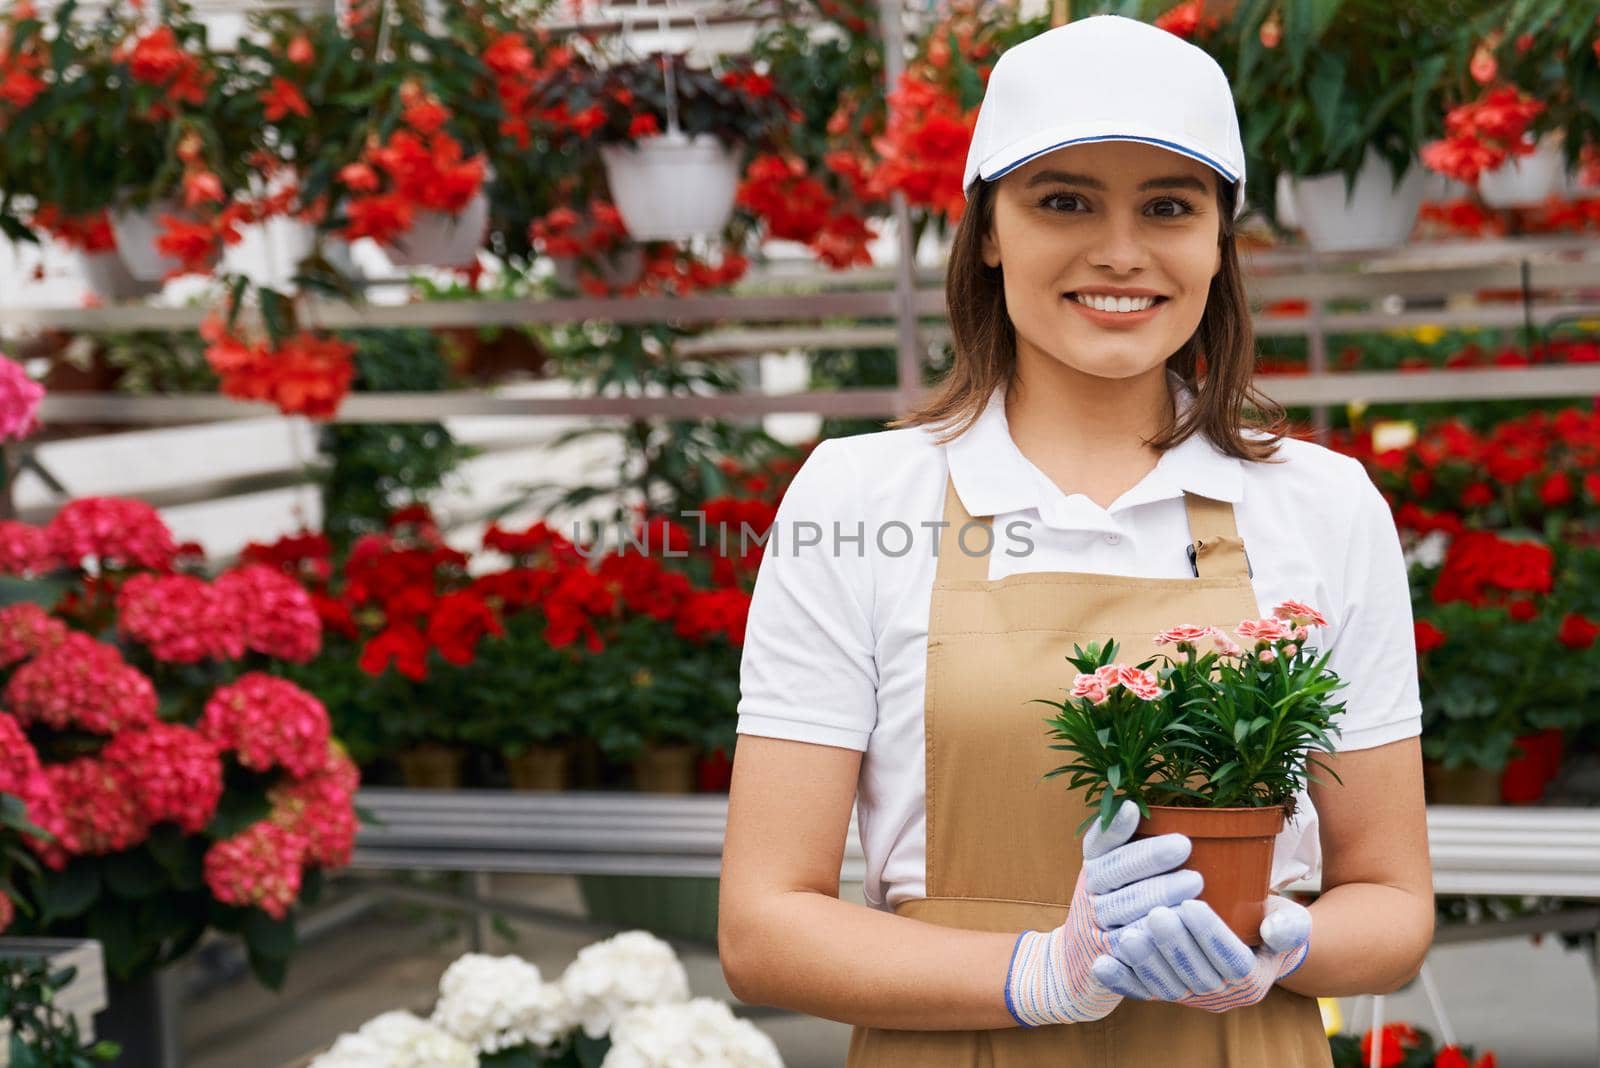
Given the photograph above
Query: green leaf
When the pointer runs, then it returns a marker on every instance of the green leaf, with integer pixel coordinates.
(134, 873)
(269, 937)
(69, 892)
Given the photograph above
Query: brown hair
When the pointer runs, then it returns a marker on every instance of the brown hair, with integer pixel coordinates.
(985, 342)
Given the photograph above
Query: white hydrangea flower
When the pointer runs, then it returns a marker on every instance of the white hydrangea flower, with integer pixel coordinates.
(412, 1042)
(611, 977)
(353, 1051)
(498, 1003)
(702, 1033)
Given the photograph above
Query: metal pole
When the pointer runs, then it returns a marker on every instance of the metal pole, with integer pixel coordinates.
(908, 364)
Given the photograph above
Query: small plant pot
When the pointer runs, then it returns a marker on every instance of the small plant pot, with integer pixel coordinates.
(669, 186)
(439, 239)
(109, 278)
(542, 767)
(666, 769)
(1526, 181)
(617, 267)
(1373, 213)
(1232, 851)
(1470, 785)
(432, 766)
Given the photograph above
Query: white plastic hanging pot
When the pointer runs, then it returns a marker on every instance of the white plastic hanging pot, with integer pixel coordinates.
(109, 278)
(1288, 217)
(670, 185)
(1374, 214)
(1525, 181)
(439, 239)
(619, 267)
(1438, 188)
(268, 253)
(136, 231)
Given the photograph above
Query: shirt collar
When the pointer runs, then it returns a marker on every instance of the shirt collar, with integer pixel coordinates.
(992, 476)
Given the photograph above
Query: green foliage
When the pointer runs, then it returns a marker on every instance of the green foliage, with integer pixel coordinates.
(41, 1034)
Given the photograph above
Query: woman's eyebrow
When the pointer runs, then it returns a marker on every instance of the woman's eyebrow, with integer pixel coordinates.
(1171, 181)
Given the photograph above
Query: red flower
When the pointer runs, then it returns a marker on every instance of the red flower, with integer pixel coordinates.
(1523, 610)
(1577, 631)
(282, 99)
(300, 51)
(1187, 19)
(1451, 1057)
(1395, 1040)
(401, 644)
(459, 620)
(1429, 637)
(1556, 490)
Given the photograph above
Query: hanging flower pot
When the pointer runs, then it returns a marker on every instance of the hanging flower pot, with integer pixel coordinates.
(136, 231)
(439, 239)
(670, 186)
(1525, 181)
(109, 278)
(1373, 214)
(1232, 851)
(616, 267)
(269, 253)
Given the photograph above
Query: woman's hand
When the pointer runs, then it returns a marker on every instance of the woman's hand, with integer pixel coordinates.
(1056, 976)
(1188, 955)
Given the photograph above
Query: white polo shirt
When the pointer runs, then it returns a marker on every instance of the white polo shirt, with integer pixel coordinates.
(836, 645)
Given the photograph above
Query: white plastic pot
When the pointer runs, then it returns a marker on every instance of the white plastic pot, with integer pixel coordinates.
(1438, 188)
(1525, 181)
(136, 230)
(268, 253)
(1288, 217)
(670, 186)
(109, 278)
(1372, 214)
(438, 239)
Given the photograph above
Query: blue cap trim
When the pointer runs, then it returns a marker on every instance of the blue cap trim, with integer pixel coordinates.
(1225, 171)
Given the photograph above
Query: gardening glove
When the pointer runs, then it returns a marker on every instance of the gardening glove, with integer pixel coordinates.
(1187, 955)
(1054, 976)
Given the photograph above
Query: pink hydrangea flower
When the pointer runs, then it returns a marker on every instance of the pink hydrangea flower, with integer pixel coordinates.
(269, 723)
(321, 809)
(23, 777)
(81, 683)
(181, 619)
(176, 773)
(1264, 631)
(260, 866)
(1301, 615)
(25, 549)
(27, 630)
(1184, 634)
(278, 615)
(19, 401)
(100, 810)
(111, 529)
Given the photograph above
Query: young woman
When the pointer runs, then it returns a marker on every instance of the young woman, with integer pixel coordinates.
(1074, 479)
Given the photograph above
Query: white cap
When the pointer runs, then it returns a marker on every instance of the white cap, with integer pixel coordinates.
(1105, 78)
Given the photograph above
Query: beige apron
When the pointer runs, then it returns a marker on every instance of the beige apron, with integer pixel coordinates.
(1001, 850)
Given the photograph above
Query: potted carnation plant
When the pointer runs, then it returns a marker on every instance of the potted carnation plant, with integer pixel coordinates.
(1213, 744)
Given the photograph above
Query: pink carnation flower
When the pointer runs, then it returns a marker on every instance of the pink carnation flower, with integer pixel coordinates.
(1264, 631)
(1301, 615)
(277, 613)
(100, 810)
(81, 683)
(25, 549)
(181, 619)
(27, 630)
(1225, 645)
(1187, 634)
(258, 867)
(19, 401)
(270, 723)
(176, 773)
(1092, 687)
(111, 529)
(1143, 684)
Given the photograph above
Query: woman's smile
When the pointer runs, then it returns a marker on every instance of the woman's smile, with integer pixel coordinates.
(1115, 312)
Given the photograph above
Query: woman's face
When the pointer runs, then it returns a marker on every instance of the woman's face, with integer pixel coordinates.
(1103, 221)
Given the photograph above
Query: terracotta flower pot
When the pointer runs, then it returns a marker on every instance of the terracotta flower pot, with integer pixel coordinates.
(431, 766)
(1233, 854)
(542, 767)
(1470, 785)
(666, 769)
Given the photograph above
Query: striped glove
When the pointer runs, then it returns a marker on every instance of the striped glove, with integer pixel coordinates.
(1057, 976)
(1189, 956)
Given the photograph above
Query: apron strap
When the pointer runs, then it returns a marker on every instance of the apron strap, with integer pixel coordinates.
(1217, 549)
(956, 565)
